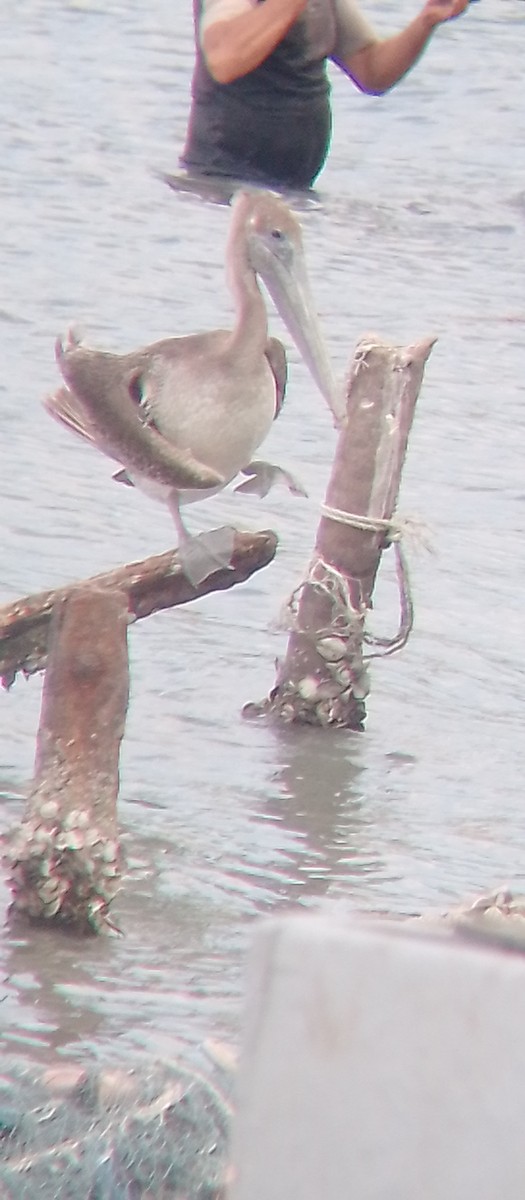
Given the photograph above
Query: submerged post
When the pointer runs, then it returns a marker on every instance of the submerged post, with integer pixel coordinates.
(64, 859)
(65, 856)
(323, 677)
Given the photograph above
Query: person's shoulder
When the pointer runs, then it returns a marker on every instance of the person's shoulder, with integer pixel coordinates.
(222, 10)
(354, 30)
(346, 10)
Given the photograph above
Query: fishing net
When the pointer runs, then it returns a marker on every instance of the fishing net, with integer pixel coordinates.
(122, 1135)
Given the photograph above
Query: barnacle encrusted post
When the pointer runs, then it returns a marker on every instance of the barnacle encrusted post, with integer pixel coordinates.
(65, 856)
(323, 678)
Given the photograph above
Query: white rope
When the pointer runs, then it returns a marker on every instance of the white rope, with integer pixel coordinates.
(347, 620)
(394, 527)
(385, 646)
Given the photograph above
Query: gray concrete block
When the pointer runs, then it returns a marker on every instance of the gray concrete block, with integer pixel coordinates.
(380, 1063)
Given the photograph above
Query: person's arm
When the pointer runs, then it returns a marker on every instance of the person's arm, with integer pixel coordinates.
(237, 45)
(380, 65)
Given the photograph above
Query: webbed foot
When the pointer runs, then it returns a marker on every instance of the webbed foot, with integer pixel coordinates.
(206, 553)
(263, 476)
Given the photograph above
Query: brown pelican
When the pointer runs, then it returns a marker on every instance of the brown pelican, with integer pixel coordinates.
(184, 416)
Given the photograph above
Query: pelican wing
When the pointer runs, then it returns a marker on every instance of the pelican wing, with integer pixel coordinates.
(65, 408)
(104, 405)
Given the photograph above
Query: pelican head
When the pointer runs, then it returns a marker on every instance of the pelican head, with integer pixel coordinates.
(274, 248)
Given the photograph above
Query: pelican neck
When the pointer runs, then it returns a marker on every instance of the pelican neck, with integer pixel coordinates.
(251, 325)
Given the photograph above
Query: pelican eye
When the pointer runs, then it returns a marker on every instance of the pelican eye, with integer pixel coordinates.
(277, 234)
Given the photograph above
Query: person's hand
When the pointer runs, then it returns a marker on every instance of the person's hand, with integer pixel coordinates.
(437, 11)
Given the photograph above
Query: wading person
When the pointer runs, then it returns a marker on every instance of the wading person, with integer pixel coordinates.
(260, 93)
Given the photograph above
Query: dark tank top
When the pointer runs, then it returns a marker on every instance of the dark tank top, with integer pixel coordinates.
(272, 126)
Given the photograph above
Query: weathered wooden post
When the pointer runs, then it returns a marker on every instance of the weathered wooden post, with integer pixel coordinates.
(151, 585)
(65, 856)
(323, 678)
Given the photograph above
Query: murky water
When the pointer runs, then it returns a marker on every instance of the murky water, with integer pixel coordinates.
(420, 230)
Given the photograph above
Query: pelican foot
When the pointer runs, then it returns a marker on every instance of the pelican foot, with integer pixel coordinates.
(263, 476)
(206, 553)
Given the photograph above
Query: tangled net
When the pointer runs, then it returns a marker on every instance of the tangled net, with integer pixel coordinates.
(121, 1135)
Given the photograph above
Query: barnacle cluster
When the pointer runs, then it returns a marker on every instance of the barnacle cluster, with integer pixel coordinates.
(498, 915)
(334, 694)
(335, 685)
(63, 867)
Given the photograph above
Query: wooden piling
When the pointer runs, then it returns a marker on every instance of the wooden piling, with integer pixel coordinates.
(65, 856)
(323, 677)
(151, 585)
